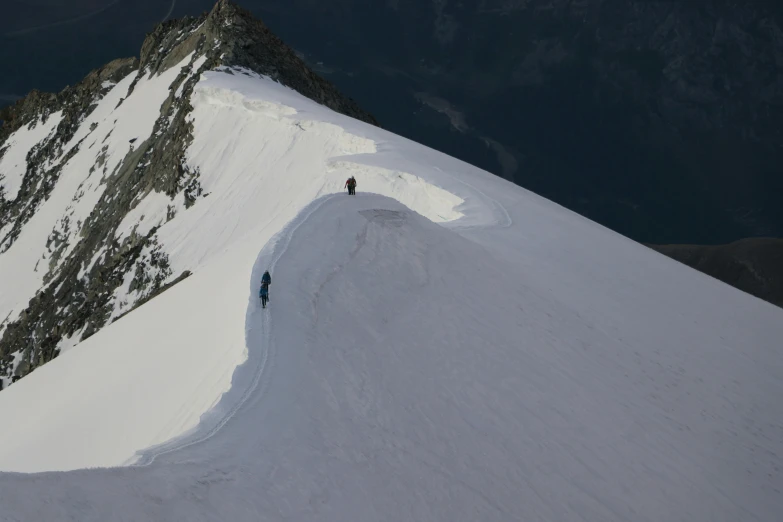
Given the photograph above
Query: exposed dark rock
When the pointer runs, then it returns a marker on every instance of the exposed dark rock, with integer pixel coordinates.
(76, 103)
(753, 265)
(86, 263)
(184, 275)
(237, 39)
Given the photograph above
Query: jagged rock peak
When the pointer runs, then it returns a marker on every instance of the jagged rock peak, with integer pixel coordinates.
(73, 100)
(227, 36)
(230, 36)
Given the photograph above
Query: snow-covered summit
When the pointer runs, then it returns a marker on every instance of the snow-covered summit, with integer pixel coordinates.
(442, 346)
(74, 167)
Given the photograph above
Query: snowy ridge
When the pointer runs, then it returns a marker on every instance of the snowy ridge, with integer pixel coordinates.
(443, 346)
(250, 373)
(248, 196)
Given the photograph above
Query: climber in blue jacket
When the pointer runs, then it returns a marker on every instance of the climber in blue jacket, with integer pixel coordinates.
(263, 292)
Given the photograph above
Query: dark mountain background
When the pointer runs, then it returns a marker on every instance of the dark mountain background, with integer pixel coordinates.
(753, 265)
(659, 119)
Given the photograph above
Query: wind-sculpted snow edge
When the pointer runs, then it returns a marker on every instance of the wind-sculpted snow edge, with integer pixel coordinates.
(260, 349)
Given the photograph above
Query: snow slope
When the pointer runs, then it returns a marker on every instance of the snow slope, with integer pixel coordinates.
(106, 133)
(469, 351)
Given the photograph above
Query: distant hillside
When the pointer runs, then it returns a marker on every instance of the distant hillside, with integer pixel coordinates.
(753, 265)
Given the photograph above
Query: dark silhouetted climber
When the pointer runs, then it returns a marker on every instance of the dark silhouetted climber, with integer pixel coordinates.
(263, 292)
(351, 184)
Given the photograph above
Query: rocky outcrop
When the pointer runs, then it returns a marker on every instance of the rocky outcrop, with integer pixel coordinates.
(237, 39)
(751, 265)
(75, 103)
(93, 274)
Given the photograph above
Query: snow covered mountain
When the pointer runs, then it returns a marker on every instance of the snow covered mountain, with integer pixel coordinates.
(443, 346)
(74, 165)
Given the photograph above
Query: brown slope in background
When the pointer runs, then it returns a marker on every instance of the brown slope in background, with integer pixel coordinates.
(753, 265)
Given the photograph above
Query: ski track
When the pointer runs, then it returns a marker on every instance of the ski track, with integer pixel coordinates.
(505, 221)
(456, 480)
(209, 427)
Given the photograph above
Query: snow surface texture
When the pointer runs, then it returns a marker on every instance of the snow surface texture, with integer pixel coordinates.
(470, 351)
